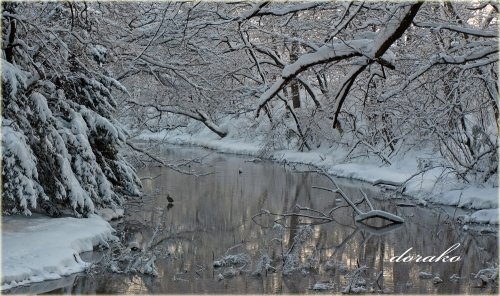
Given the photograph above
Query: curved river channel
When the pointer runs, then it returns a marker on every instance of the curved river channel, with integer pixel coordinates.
(211, 217)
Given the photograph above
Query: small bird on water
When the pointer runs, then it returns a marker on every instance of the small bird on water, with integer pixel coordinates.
(169, 199)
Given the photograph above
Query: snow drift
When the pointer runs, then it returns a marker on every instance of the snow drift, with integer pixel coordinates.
(39, 248)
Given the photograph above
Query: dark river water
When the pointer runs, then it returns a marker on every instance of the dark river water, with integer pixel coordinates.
(212, 217)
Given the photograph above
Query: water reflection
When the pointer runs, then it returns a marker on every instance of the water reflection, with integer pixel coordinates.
(213, 213)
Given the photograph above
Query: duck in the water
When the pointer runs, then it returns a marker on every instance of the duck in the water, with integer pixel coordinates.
(169, 199)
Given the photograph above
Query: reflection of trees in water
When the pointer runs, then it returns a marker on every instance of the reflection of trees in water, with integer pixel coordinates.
(299, 186)
(213, 213)
(373, 247)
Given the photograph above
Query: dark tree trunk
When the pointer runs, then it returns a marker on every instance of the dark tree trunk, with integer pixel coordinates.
(9, 48)
(295, 83)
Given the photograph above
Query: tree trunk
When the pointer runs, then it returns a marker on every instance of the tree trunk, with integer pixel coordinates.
(295, 83)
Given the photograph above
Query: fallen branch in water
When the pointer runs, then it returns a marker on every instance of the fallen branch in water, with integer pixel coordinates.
(325, 218)
(150, 178)
(360, 215)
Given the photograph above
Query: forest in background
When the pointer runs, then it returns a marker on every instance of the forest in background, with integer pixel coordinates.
(379, 79)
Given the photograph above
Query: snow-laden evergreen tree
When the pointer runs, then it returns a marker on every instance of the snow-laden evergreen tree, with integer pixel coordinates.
(60, 142)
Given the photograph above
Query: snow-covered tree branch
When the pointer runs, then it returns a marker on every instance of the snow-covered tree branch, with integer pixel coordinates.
(60, 139)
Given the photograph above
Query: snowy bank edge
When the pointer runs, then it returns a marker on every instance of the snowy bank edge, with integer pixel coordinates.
(47, 264)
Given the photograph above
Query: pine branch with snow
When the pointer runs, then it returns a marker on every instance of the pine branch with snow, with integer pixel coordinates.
(59, 138)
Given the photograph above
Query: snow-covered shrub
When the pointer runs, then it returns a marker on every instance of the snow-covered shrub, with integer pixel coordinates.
(292, 257)
(60, 142)
(231, 260)
(356, 282)
(263, 265)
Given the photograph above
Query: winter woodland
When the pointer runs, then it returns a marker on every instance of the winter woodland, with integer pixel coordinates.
(389, 83)
(377, 78)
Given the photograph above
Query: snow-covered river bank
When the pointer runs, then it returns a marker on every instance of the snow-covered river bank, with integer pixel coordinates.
(39, 248)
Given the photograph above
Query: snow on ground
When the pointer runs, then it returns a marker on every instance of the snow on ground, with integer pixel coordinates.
(39, 248)
(472, 198)
(488, 216)
(422, 187)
